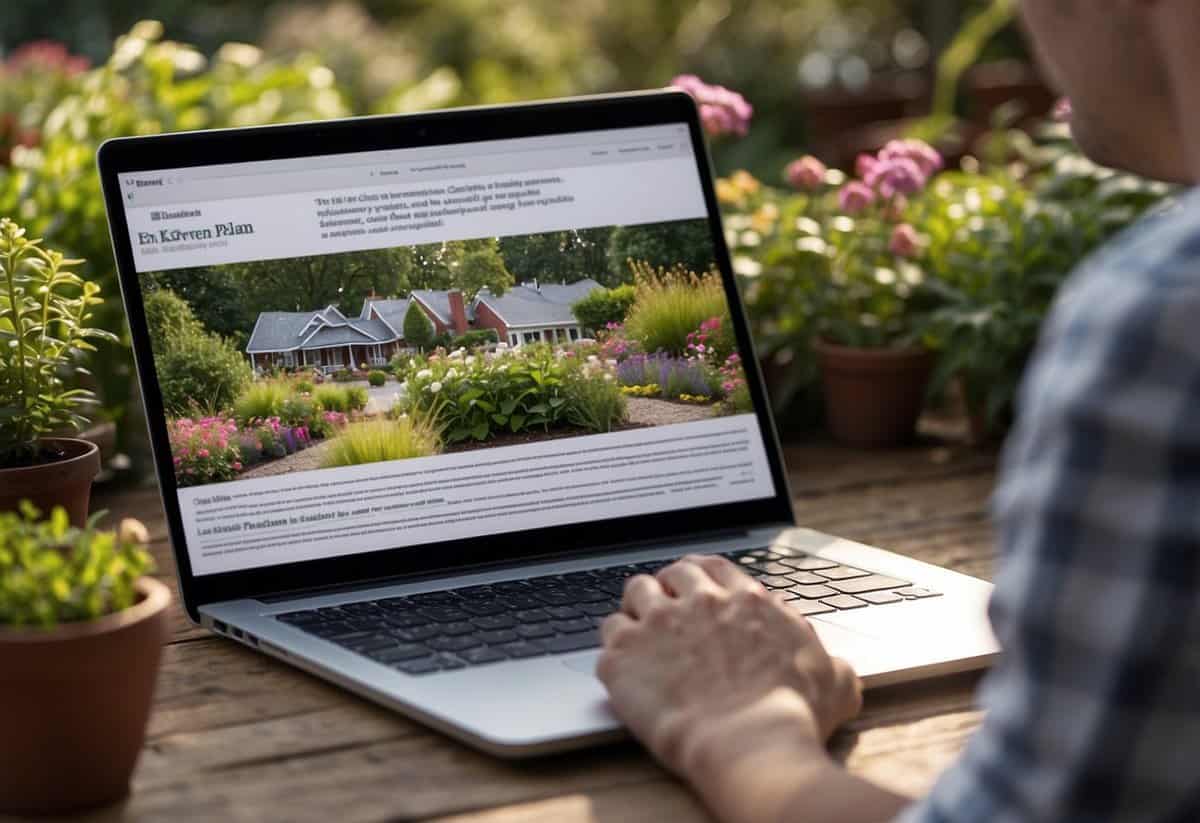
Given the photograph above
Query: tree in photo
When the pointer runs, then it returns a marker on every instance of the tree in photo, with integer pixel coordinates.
(604, 306)
(559, 256)
(478, 264)
(686, 243)
(418, 329)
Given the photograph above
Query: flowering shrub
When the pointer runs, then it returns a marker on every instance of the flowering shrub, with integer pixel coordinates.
(477, 396)
(670, 376)
(671, 304)
(713, 342)
(651, 390)
(695, 399)
(722, 111)
(614, 344)
(204, 450)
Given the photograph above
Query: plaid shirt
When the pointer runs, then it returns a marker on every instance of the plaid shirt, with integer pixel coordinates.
(1093, 713)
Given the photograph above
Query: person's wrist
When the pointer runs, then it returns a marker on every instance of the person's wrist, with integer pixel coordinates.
(724, 756)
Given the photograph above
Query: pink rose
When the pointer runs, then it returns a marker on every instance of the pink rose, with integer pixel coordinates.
(806, 173)
(905, 241)
(855, 198)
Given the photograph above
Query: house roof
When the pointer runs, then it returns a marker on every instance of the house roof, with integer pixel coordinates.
(390, 310)
(437, 302)
(546, 304)
(290, 330)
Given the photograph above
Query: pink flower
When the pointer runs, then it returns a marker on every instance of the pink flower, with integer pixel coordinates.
(178, 460)
(865, 164)
(237, 467)
(855, 197)
(722, 111)
(806, 173)
(1063, 111)
(897, 175)
(203, 452)
(927, 158)
(905, 241)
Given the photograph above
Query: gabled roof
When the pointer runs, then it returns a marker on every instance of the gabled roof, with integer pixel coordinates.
(291, 330)
(437, 302)
(389, 310)
(546, 304)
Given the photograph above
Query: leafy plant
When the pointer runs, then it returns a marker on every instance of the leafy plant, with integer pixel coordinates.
(376, 378)
(302, 387)
(378, 441)
(671, 304)
(356, 398)
(201, 369)
(45, 314)
(52, 572)
(332, 398)
(207, 450)
(595, 405)
(604, 306)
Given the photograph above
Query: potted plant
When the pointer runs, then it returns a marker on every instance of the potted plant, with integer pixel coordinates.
(44, 327)
(81, 631)
(859, 295)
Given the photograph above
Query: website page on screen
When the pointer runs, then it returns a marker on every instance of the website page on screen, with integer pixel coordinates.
(383, 349)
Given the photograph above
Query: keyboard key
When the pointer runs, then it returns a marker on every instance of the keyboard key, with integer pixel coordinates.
(510, 587)
(870, 583)
(570, 626)
(521, 601)
(367, 608)
(572, 642)
(399, 652)
(372, 643)
(483, 608)
(772, 581)
(495, 638)
(482, 655)
(614, 588)
(533, 630)
(368, 625)
(879, 598)
(807, 564)
(423, 665)
(841, 572)
(805, 578)
(452, 629)
(395, 603)
(598, 609)
(770, 567)
(444, 614)
(564, 612)
(417, 633)
(532, 615)
(454, 644)
(405, 620)
(522, 648)
(447, 662)
(304, 618)
(844, 601)
(914, 592)
(787, 551)
(813, 592)
(500, 621)
(807, 607)
(334, 629)
(432, 598)
(476, 593)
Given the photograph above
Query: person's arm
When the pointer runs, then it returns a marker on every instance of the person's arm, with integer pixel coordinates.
(733, 691)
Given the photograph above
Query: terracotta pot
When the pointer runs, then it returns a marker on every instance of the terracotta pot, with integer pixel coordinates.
(74, 701)
(873, 397)
(66, 482)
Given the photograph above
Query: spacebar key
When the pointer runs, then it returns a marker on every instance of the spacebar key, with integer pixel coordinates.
(571, 642)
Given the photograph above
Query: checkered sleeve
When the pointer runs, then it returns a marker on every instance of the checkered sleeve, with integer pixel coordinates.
(1093, 712)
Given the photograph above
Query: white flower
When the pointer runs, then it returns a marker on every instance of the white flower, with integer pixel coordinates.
(593, 358)
(435, 387)
(747, 266)
(608, 376)
(453, 373)
(424, 374)
(470, 361)
(456, 354)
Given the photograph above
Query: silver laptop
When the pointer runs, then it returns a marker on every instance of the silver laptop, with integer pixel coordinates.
(447, 542)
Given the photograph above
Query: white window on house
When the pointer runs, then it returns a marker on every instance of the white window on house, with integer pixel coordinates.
(573, 333)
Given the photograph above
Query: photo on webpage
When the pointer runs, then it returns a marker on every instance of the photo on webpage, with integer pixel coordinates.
(275, 367)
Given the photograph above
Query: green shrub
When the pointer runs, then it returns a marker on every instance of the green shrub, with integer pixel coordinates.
(377, 377)
(302, 387)
(604, 306)
(594, 404)
(332, 398)
(51, 572)
(377, 441)
(477, 338)
(418, 329)
(201, 370)
(298, 411)
(260, 400)
(357, 398)
(168, 318)
(671, 305)
(343, 376)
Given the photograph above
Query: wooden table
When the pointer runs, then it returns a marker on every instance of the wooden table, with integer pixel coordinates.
(238, 736)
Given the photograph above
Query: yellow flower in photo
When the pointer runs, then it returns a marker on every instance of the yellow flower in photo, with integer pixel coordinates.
(745, 181)
(728, 193)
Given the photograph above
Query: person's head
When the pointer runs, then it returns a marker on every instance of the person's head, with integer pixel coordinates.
(1129, 68)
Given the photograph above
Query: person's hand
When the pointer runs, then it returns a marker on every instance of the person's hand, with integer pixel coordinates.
(707, 669)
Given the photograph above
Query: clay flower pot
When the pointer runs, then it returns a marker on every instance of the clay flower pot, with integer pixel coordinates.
(65, 482)
(873, 397)
(74, 701)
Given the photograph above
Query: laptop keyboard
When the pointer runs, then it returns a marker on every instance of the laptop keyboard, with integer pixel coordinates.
(447, 630)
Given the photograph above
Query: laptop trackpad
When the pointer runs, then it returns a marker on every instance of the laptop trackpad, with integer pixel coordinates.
(583, 663)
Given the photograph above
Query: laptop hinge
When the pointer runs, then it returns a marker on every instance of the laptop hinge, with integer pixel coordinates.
(612, 549)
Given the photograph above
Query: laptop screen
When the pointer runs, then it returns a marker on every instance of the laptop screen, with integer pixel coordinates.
(375, 350)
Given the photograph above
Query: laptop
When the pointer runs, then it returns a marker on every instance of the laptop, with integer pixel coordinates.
(295, 291)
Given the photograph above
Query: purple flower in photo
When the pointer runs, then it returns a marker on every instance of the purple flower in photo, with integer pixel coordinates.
(928, 159)
(855, 198)
(897, 175)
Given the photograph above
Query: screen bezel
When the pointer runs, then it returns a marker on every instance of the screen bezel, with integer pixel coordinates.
(456, 126)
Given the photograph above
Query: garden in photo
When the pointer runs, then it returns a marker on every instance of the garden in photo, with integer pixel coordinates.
(414, 351)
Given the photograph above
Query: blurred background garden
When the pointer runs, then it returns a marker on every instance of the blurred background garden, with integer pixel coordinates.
(958, 259)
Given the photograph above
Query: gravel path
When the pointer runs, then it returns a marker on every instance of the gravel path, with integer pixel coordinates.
(301, 461)
(645, 411)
